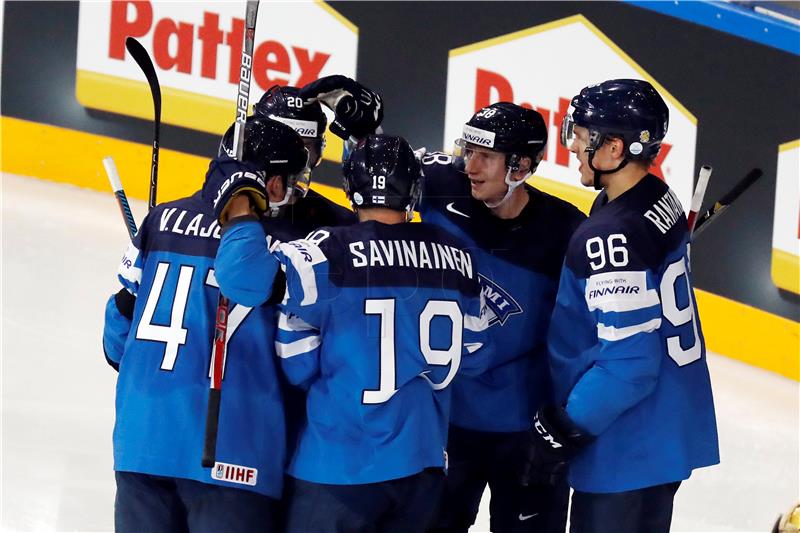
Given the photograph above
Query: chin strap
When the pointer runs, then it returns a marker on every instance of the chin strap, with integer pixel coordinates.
(598, 173)
(511, 184)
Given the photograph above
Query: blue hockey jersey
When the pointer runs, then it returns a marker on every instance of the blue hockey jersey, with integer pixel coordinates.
(520, 260)
(377, 321)
(626, 346)
(164, 357)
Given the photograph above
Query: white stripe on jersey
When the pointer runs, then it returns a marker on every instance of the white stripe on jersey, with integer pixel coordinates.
(303, 255)
(478, 323)
(128, 269)
(292, 323)
(473, 347)
(291, 349)
(610, 333)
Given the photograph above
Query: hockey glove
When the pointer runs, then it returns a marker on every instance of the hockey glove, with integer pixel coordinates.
(554, 440)
(358, 110)
(228, 177)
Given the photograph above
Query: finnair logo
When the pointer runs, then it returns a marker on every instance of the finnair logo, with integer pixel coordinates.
(478, 136)
(499, 303)
(304, 128)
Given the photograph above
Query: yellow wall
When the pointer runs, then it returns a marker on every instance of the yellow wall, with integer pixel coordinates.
(731, 328)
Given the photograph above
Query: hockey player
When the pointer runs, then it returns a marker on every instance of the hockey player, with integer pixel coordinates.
(519, 236)
(158, 334)
(379, 318)
(634, 413)
(302, 209)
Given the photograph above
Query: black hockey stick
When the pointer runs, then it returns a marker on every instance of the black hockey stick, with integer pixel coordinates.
(119, 192)
(223, 304)
(727, 199)
(142, 58)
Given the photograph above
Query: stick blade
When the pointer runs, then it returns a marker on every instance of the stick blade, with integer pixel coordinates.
(142, 58)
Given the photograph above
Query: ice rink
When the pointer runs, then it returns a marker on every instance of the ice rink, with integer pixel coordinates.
(60, 249)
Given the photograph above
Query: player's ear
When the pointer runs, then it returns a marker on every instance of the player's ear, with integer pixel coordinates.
(617, 147)
(525, 164)
(276, 188)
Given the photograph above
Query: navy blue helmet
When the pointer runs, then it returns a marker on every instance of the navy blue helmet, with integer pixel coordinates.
(273, 147)
(308, 120)
(507, 128)
(631, 110)
(383, 172)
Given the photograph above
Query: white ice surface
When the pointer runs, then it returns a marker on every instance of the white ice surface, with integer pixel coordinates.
(60, 249)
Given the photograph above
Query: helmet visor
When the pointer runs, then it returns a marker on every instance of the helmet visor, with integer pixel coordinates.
(464, 150)
(315, 147)
(300, 182)
(567, 130)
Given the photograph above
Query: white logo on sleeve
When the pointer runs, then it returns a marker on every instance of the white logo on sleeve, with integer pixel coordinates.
(243, 475)
(619, 291)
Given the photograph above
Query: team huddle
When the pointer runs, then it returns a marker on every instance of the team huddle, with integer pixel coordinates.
(381, 373)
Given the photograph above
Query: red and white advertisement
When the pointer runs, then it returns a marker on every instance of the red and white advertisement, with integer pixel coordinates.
(543, 68)
(196, 48)
(786, 226)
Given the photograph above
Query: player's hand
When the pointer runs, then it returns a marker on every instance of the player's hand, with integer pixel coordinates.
(227, 178)
(358, 110)
(554, 440)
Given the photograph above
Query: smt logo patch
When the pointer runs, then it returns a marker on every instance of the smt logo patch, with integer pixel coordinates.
(499, 303)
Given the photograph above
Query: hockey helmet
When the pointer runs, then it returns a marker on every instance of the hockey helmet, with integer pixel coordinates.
(507, 128)
(284, 104)
(275, 148)
(383, 172)
(631, 110)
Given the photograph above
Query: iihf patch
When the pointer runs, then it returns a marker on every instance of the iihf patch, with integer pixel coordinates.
(243, 475)
(499, 303)
(357, 198)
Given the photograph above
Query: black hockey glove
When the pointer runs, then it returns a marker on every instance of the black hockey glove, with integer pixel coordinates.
(228, 177)
(554, 440)
(358, 110)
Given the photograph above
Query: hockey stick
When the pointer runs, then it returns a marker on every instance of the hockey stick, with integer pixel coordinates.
(223, 304)
(699, 194)
(142, 58)
(727, 199)
(119, 192)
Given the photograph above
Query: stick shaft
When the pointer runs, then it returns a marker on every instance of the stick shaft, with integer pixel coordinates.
(223, 304)
(699, 194)
(119, 192)
(721, 205)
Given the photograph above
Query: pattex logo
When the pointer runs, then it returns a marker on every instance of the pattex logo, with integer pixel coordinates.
(486, 72)
(197, 52)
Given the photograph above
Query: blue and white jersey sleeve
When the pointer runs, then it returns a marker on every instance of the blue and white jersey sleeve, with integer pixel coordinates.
(476, 337)
(245, 269)
(130, 267)
(606, 275)
(117, 325)
(297, 345)
(303, 310)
